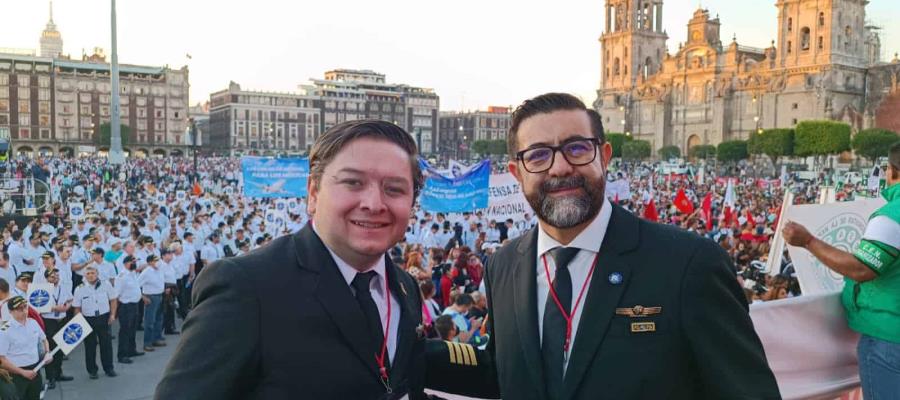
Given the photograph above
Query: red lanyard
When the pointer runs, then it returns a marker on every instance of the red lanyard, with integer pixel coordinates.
(381, 359)
(562, 310)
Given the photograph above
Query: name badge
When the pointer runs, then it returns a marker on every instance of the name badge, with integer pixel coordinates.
(640, 327)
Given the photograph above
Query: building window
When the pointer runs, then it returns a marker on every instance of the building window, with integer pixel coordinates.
(44, 81)
(25, 119)
(45, 134)
(85, 109)
(821, 19)
(24, 133)
(44, 107)
(24, 93)
(24, 80)
(795, 106)
(789, 47)
(24, 107)
(790, 25)
(44, 94)
(4, 119)
(794, 121)
(44, 120)
(4, 92)
(158, 113)
(804, 39)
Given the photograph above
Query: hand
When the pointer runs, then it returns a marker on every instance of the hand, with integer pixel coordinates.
(28, 374)
(796, 234)
(48, 358)
(146, 300)
(476, 322)
(112, 318)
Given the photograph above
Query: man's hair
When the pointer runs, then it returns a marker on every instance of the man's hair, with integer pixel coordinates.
(4, 286)
(464, 299)
(330, 143)
(4, 255)
(545, 104)
(444, 326)
(894, 159)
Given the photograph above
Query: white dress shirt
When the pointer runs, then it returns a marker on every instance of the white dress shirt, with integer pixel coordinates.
(19, 342)
(128, 287)
(94, 299)
(376, 287)
(60, 297)
(152, 281)
(588, 241)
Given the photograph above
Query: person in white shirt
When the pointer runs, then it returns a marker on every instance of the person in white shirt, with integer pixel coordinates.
(152, 286)
(212, 252)
(493, 233)
(53, 322)
(19, 257)
(128, 289)
(106, 271)
(20, 339)
(511, 231)
(166, 265)
(97, 301)
(7, 273)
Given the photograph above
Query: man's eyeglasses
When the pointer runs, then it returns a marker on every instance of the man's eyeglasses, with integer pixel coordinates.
(577, 152)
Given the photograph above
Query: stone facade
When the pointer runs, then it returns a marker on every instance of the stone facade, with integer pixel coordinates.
(710, 91)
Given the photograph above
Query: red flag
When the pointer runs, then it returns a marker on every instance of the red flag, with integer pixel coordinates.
(707, 210)
(750, 219)
(682, 203)
(650, 213)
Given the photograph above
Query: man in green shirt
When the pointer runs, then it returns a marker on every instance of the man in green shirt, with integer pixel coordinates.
(871, 293)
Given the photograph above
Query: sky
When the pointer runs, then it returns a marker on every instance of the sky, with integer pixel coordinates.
(473, 53)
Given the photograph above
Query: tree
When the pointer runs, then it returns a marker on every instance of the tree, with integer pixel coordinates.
(774, 143)
(669, 152)
(821, 138)
(636, 150)
(874, 143)
(106, 130)
(480, 147)
(497, 147)
(732, 151)
(617, 140)
(702, 151)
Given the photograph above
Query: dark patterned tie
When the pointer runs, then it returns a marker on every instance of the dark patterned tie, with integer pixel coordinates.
(370, 310)
(555, 323)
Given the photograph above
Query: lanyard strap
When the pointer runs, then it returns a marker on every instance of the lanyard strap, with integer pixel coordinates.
(568, 316)
(381, 359)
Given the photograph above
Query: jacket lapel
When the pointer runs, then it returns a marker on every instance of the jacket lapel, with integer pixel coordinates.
(335, 296)
(406, 329)
(602, 297)
(526, 307)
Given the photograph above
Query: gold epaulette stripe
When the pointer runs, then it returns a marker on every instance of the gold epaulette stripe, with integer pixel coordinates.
(465, 354)
(471, 351)
(452, 354)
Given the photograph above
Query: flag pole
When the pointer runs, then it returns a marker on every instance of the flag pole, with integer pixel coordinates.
(43, 362)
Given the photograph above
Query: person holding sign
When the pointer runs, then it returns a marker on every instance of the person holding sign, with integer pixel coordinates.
(54, 321)
(20, 339)
(871, 294)
(324, 313)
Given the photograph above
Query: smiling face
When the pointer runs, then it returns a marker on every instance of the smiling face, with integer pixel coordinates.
(565, 195)
(363, 199)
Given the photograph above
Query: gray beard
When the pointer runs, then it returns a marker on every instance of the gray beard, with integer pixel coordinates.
(566, 212)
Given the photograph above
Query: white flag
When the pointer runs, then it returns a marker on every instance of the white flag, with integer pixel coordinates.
(70, 336)
(39, 297)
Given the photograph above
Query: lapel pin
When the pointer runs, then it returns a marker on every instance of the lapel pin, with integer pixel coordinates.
(615, 278)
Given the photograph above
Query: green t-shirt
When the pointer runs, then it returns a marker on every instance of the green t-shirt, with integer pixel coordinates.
(873, 307)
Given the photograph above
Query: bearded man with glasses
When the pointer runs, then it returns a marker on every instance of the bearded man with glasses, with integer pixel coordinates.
(595, 303)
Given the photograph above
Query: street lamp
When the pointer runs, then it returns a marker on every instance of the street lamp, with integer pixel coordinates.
(194, 143)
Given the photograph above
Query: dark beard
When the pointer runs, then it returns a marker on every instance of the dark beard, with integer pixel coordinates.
(568, 211)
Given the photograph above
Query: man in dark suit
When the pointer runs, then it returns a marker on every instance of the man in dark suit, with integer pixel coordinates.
(324, 313)
(595, 303)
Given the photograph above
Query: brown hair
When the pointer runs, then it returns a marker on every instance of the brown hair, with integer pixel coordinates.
(894, 159)
(545, 104)
(330, 143)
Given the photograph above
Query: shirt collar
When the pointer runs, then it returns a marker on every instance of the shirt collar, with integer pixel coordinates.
(589, 239)
(349, 272)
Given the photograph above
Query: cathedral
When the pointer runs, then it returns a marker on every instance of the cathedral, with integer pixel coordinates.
(825, 64)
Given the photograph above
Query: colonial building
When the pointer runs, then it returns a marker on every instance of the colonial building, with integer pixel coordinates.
(265, 123)
(459, 129)
(50, 104)
(824, 59)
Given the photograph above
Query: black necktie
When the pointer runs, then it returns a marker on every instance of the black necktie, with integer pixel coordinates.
(370, 310)
(555, 323)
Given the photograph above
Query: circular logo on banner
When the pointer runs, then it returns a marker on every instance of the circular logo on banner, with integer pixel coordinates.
(181, 195)
(161, 197)
(279, 221)
(844, 231)
(39, 298)
(279, 206)
(77, 211)
(72, 334)
(270, 218)
(292, 204)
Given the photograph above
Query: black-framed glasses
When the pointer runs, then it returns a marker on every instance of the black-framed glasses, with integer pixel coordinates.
(577, 152)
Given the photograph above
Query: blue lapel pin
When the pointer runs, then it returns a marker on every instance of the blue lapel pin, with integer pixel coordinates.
(615, 278)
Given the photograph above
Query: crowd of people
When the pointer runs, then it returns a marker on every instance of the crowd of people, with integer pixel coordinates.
(151, 225)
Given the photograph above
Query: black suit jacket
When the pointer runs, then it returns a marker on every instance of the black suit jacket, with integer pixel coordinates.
(282, 323)
(703, 346)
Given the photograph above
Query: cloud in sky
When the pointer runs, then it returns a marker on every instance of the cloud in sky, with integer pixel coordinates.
(473, 53)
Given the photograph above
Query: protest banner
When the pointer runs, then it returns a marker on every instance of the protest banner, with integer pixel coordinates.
(506, 199)
(468, 192)
(39, 297)
(274, 177)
